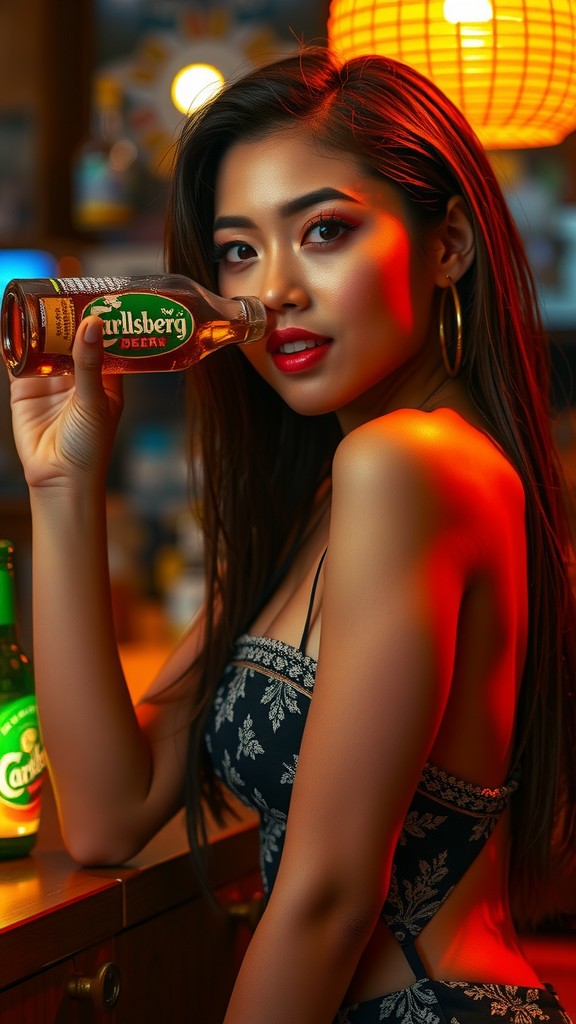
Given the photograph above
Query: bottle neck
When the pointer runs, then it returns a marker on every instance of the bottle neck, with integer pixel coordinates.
(7, 601)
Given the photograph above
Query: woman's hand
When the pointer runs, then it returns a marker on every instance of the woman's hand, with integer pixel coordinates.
(64, 427)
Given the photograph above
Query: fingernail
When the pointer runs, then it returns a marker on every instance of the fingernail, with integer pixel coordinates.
(93, 331)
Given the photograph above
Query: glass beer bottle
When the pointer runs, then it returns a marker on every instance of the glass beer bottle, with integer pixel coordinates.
(156, 323)
(21, 752)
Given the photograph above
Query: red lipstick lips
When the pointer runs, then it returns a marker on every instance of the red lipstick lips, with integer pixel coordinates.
(294, 350)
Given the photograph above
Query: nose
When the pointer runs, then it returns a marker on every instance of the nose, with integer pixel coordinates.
(282, 286)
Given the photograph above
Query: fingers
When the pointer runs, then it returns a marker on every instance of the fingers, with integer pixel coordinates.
(88, 349)
(88, 356)
(91, 386)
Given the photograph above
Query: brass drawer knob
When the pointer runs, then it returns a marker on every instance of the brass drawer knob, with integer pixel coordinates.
(247, 911)
(102, 990)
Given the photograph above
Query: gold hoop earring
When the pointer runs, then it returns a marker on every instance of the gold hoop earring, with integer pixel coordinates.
(451, 369)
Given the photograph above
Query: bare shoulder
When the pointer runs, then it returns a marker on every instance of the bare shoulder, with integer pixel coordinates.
(436, 458)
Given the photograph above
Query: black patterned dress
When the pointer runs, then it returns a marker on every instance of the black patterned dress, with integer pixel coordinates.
(254, 737)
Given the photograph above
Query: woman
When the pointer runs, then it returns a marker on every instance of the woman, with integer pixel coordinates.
(383, 664)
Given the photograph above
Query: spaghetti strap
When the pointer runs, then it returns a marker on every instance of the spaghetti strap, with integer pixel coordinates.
(306, 630)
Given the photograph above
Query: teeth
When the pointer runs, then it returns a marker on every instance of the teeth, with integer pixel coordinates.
(290, 347)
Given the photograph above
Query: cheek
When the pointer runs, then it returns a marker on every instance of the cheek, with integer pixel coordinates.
(381, 285)
(223, 284)
(394, 279)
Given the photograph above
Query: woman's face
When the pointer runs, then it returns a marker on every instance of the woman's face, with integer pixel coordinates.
(348, 287)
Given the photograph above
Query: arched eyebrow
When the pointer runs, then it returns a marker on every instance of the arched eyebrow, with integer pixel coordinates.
(320, 195)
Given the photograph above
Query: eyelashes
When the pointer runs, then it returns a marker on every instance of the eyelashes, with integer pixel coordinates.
(331, 229)
(221, 251)
(333, 223)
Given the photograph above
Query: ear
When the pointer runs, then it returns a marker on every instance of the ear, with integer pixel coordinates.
(454, 248)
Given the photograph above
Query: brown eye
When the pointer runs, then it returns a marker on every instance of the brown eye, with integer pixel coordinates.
(329, 231)
(238, 252)
(234, 252)
(324, 230)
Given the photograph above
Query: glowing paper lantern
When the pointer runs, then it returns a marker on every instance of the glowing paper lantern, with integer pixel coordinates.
(509, 65)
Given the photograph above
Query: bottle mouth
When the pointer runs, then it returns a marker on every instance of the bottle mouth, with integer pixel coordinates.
(256, 318)
(14, 332)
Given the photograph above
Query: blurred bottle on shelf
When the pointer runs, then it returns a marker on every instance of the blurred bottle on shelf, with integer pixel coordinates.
(180, 573)
(22, 761)
(104, 173)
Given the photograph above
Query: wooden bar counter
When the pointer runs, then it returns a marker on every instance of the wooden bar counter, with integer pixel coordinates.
(132, 944)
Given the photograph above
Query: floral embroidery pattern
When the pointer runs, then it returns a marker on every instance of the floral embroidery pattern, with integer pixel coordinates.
(417, 825)
(466, 795)
(435, 849)
(520, 1006)
(460, 1002)
(281, 697)
(484, 827)
(269, 812)
(279, 658)
(288, 776)
(271, 835)
(224, 705)
(419, 900)
(229, 774)
(248, 745)
(411, 1005)
(255, 733)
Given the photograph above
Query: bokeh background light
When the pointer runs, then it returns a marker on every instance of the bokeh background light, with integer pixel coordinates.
(194, 85)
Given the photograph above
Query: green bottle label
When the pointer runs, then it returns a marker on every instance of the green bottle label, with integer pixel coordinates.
(22, 758)
(141, 324)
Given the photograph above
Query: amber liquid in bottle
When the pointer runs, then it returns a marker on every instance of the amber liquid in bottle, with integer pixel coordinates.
(151, 324)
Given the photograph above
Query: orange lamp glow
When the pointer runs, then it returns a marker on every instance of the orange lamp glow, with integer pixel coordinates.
(509, 65)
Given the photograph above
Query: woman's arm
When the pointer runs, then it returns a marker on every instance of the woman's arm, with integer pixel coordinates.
(116, 780)
(393, 584)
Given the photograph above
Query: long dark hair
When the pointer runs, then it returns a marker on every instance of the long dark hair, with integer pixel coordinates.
(261, 463)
